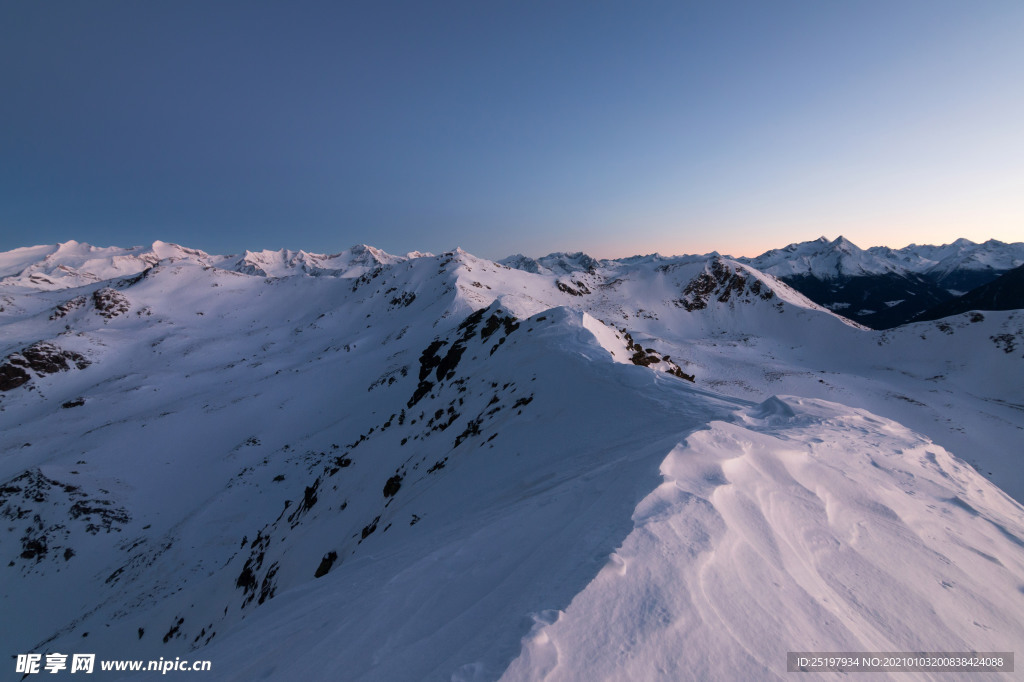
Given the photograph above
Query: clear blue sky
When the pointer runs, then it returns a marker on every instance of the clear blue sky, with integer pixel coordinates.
(610, 127)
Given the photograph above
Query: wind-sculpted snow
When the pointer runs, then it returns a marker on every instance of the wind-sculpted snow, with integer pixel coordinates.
(798, 525)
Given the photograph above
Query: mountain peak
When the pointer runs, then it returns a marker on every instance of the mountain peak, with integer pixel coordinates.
(164, 249)
(845, 244)
(364, 249)
(821, 258)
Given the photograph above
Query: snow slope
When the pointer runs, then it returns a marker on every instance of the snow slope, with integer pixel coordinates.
(441, 467)
(796, 525)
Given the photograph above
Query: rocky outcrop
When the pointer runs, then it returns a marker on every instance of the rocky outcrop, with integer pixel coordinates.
(43, 516)
(110, 303)
(723, 283)
(41, 358)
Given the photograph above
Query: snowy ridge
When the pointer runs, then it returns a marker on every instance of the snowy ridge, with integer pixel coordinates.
(555, 263)
(403, 473)
(882, 287)
(790, 295)
(842, 258)
(961, 254)
(763, 537)
(353, 262)
(823, 259)
(73, 264)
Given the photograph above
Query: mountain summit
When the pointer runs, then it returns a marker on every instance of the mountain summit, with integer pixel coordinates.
(882, 287)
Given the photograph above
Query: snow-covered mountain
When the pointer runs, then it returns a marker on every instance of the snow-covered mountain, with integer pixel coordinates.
(948, 262)
(553, 263)
(73, 264)
(364, 466)
(826, 259)
(883, 287)
(349, 263)
(1005, 292)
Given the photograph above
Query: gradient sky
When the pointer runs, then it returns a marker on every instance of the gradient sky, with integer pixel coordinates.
(611, 127)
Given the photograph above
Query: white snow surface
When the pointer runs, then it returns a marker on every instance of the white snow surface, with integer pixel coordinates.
(795, 521)
(352, 262)
(73, 264)
(824, 259)
(961, 254)
(504, 493)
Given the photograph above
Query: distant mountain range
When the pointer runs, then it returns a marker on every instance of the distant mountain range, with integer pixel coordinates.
(72, 263)
(882, 287)
(878, 287)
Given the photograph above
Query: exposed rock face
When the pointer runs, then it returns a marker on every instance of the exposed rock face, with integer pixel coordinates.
(44, 512)
(67, 306)
(577, 289)
(42, 358)
(648, 357)
(325, 564)
(445, 365)
(723, 283)
(12, 376)
(110, 303)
